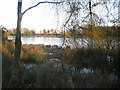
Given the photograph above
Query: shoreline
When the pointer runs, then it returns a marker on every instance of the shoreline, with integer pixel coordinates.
(59, 36)
(41, 36)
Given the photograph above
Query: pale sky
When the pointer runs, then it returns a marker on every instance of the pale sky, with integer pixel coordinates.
(41, 17)
(38, 18)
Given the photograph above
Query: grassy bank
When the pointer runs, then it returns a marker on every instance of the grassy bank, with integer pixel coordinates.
(53, 67)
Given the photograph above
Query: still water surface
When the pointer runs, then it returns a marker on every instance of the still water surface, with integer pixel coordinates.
(40, 40)
(46, 40)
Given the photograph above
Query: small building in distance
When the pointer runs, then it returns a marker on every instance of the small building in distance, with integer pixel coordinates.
(4, 32)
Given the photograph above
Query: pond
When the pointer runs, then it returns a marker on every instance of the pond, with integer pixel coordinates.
(48, 41)
(81, 42)
(40, 40)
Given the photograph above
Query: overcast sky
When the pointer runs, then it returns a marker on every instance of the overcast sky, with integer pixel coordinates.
(41, 17)
(38, 18)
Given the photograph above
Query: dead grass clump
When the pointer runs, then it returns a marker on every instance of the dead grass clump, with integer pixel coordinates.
(32, 54)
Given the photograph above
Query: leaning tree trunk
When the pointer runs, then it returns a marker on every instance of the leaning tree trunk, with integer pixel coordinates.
(18, 32)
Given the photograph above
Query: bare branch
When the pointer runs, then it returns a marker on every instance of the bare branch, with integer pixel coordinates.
(68, 19)
(40, 3)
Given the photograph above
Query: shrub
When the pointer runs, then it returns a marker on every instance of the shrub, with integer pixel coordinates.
(8, 49)
(86, 57)
(32, 54)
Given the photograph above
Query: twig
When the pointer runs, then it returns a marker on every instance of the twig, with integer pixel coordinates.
(38, 4)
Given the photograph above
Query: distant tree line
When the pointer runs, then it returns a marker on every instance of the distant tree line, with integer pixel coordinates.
(24, 32)
(98, 32)
(27, 32)
(84, 32)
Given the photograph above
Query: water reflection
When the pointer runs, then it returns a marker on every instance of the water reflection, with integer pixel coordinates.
(40, 40)
(78, 42)
(52, 41)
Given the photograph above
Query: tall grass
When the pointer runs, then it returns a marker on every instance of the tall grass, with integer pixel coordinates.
(46, 75)
(92, 58)
(97, 60)
(28, 54)
(31, 53)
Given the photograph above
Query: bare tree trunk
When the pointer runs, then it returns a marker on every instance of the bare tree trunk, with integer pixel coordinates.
(18, 32)
(91, 23)
(16, 69)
